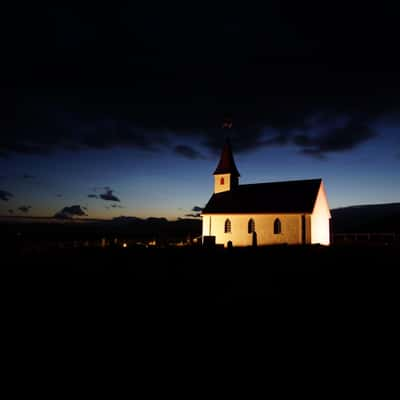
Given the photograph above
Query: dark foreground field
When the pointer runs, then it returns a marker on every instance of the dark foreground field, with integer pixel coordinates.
(187, 276)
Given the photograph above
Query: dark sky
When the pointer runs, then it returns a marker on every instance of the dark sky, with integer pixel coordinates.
(119, 109)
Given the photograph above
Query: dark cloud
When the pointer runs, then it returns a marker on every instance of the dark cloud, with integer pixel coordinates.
(28, 176)
(280, 139)
(93, 196)
(108, 195)
(70, 212)
(58, 195)
(49, 128)
(343, 138)
(125, 219)
(105, 134)
(251, 130)
(11, 211)
(193, 215)
(197, 208)
(188, 152)
(116, 206)
(24, 209)
(5, 196)
(270, 69)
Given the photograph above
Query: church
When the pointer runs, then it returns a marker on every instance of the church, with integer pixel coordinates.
(291, 212)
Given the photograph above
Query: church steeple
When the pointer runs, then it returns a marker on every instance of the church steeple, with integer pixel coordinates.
(226, 163)
(226, 175)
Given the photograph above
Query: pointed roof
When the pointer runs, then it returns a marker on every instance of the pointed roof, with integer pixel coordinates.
(226, 163)
(274, 197)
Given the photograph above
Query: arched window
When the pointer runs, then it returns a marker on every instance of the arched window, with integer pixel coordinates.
(227, 226)
(221, 181)
(251, 226)
(277, 226)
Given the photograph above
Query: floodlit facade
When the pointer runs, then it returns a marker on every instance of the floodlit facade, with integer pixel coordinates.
(292, 212)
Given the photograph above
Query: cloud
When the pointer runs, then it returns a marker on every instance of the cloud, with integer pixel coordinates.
(28, 176)
(108, 133)
(5, 196)
(70, 212)
(154, 131)
(10, 211)
(197, 212)
(337, 139)
(188, 152)
(113, 206)
(125, 219)
(93, 196)
(108, 195)
(280, 139)
(193, 215)
(24, 209)
(58, 195)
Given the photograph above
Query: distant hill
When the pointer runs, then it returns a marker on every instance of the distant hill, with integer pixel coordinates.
(367, 218)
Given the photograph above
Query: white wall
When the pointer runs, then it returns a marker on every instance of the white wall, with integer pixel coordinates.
(320, 232)
(264, 227)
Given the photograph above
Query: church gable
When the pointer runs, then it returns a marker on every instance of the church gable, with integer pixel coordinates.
(320, 229)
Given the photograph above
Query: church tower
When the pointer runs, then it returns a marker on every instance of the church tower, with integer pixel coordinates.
(226, 175)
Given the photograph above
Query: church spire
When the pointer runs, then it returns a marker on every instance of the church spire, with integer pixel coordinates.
(226, 175)
(226, 163)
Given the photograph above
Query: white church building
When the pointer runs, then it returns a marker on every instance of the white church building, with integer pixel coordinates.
(292, 212)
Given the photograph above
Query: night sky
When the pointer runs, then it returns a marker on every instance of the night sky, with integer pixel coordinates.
(109, 111)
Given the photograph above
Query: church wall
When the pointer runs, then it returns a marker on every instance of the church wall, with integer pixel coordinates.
(264, 227)
(320, 219)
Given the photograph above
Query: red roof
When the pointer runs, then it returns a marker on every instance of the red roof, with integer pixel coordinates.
(226, 163)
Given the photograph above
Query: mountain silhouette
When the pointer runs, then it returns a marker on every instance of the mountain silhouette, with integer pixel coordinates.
(366, 218)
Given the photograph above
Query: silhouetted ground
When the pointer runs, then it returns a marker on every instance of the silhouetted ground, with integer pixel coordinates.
(165, 277)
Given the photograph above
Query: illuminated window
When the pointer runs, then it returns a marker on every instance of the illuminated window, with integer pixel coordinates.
(251, 226)
(222, 181)
(227, 226)
(277, 226)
